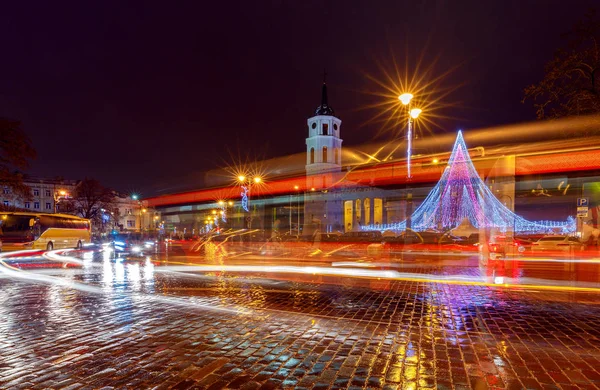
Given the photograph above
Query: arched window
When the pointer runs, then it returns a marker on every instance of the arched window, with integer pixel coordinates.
(324, 154)
(336, 155)
(312, 155)
(325, 129)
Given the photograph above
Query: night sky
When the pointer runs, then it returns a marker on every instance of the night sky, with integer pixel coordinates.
(139, 95)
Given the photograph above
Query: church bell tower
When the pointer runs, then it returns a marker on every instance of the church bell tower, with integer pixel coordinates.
(322, 204)
(323, 145)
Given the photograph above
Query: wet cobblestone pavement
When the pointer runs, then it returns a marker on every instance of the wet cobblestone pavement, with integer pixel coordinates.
(135, 325)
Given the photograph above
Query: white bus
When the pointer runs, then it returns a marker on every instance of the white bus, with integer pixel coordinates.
(24, 230)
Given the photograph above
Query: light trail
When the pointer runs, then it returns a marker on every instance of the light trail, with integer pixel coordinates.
(31, 277)
(549, 260)
(379, 274)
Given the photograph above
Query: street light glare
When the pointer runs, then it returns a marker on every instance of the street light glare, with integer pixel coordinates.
(257, 179)
(405, 98)
(63, 192)
(414, 113)
(241, 178)
(230, 203)
(134, 197)
(296, 187)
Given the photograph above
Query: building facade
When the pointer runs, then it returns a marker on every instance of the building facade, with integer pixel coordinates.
(46, 195)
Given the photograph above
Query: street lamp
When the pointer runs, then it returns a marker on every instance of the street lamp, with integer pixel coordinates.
(136, 197)
(413, 113)
(297, 188)
(58, 196)
(246, 184)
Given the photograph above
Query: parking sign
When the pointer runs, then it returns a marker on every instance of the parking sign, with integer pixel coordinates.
(582, 202)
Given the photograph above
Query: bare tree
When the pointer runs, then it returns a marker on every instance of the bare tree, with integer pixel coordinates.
(570, 85)
(15, 153)
(90, 199)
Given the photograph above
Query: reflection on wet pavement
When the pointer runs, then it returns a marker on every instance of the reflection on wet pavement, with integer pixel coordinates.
(143, 323)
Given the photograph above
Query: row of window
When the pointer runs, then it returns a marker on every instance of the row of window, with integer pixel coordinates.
(336, 155)
(36, 192)
(36, 205)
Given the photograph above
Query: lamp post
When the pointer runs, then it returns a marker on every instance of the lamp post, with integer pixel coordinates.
(297, 188)
(58, 196)
(246, 184)
(412, 113)
(136, 197)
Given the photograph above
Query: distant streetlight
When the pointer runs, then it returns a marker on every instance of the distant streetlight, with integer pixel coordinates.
(246, 184)
(58, 197)
(297, 188)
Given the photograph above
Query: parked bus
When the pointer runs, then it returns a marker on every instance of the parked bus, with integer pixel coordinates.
(23, 230)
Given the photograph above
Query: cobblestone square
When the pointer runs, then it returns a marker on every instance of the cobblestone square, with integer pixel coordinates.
(131, 325)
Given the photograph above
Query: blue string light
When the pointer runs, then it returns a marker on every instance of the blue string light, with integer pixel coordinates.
(245, 191)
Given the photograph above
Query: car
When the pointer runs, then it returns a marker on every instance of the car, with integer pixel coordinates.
(130, 245)
(507, 246)
(559, 243)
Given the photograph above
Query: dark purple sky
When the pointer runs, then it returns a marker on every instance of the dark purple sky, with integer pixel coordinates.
(137, 95)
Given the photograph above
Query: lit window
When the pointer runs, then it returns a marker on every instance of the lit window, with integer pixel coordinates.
(325, 154)
(36, 192)
(48, 193)
(312, 155)
(36, 205)
(130, 224)
(27, 205)
(6, 202)
(48, 205)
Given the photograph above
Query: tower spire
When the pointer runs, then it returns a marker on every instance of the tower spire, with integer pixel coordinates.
(324, 108)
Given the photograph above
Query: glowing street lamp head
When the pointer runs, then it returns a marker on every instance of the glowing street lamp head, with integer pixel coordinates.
(257, 179)
(296, 187)
(214, 211)
(241, 178)
(230, 203)
(62, 192)
(221, 203)
(134, 196)
(415, 112)
(405, 98)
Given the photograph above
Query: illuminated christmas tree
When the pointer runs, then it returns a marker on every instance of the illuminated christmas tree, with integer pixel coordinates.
(461, 194)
